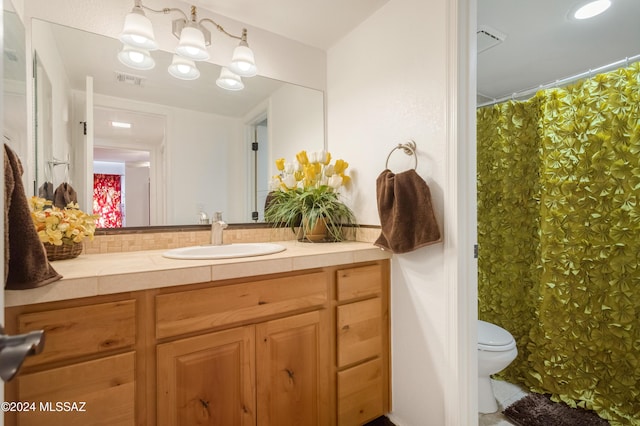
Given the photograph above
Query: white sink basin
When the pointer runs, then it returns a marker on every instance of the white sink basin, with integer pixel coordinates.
(226, 251)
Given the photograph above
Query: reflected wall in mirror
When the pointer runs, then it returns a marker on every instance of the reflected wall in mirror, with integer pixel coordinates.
(14, 108)
(188, 150)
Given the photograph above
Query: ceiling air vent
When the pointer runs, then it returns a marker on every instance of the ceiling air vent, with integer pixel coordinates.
(11, 55)
(489, 37)
(134, 80)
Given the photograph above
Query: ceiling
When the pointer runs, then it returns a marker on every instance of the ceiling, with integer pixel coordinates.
(315, 23)
(543, 45)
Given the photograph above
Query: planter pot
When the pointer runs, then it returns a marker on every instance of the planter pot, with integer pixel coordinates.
(315, 234)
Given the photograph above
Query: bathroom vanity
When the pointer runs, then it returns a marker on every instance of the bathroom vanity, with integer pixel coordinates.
(298, 337)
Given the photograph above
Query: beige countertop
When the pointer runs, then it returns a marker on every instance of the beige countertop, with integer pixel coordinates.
(98, 274)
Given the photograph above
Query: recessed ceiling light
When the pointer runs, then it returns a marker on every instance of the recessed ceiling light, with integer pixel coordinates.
(591, 9)
(121, 124)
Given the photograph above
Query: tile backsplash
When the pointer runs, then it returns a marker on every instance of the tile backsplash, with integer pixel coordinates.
(168, 239)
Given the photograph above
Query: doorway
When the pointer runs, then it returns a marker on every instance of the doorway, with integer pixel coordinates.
(258, 137)
(129, 144)
(121, 187)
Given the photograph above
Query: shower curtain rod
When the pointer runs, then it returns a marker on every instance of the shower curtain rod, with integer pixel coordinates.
(558, 83)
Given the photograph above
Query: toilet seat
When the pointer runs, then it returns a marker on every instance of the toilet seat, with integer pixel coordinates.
(493, 338)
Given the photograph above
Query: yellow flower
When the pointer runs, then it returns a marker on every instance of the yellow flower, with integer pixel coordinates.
(311, 170)
(309, 173)
(51, 236)
(340, 166)
(61, 226)
(302, 157)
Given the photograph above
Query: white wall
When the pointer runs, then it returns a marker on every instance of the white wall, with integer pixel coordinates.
(211, 177)
(389, 81)
(296, 119)
(136, 208)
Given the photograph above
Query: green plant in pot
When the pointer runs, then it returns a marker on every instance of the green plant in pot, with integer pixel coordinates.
(305, 197)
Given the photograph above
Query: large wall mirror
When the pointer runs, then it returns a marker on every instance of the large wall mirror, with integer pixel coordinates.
(188, 149)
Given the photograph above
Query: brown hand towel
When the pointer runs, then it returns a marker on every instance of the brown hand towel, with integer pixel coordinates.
(46, 191)
(25, 259)
(64, 195)
(406, 213)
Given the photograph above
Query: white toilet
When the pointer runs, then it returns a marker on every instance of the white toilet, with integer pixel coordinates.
(496, 350)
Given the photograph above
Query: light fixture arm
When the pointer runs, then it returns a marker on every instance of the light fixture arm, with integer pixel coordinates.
(219, 27)
(180, 23)
(165, 10)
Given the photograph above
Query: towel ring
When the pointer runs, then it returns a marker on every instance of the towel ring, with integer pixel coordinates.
(409, 148)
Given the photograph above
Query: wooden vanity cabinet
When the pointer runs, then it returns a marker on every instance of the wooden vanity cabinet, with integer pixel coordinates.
(305, 348)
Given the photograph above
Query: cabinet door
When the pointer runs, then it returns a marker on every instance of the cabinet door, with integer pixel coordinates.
(292, 371)
(99, 392)
(208, 380)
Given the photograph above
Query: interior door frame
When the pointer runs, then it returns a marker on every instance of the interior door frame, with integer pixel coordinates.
(461, 267)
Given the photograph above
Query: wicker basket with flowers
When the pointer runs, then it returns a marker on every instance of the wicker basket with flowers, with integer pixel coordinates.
(61, 230)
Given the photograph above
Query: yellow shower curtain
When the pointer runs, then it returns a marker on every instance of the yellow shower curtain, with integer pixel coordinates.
(559, 239)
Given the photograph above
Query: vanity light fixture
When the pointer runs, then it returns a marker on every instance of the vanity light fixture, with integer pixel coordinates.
(138, 39)
(183, 68)
(229, 81)
(591, 9)
(136, 58)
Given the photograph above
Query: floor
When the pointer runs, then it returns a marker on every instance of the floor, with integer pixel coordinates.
(506, 394)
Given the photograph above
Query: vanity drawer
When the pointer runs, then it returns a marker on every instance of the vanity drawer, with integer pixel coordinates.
(359, 282)
(85, 330)
(361, 393)
(196, 310)
(359, 331)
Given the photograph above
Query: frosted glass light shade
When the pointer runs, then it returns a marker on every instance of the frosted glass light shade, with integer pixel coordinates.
(591, 9)
(192, 45)
(136, 58)
(229, 81)
(183, 68)
(138, 31)
(242, 62)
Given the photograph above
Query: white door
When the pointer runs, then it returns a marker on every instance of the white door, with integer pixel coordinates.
(87, 181)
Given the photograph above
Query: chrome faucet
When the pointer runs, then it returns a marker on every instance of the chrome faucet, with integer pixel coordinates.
(217, 226)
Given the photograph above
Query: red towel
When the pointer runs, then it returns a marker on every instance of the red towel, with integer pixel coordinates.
(406, 213)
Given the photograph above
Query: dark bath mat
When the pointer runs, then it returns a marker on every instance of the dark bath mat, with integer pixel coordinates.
(538, 410)
(380, 421)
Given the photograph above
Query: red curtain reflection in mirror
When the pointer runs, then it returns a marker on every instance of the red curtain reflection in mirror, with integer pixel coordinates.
(107, 197)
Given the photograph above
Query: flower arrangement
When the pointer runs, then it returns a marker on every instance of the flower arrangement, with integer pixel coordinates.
(305, 194)
(61, 226)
